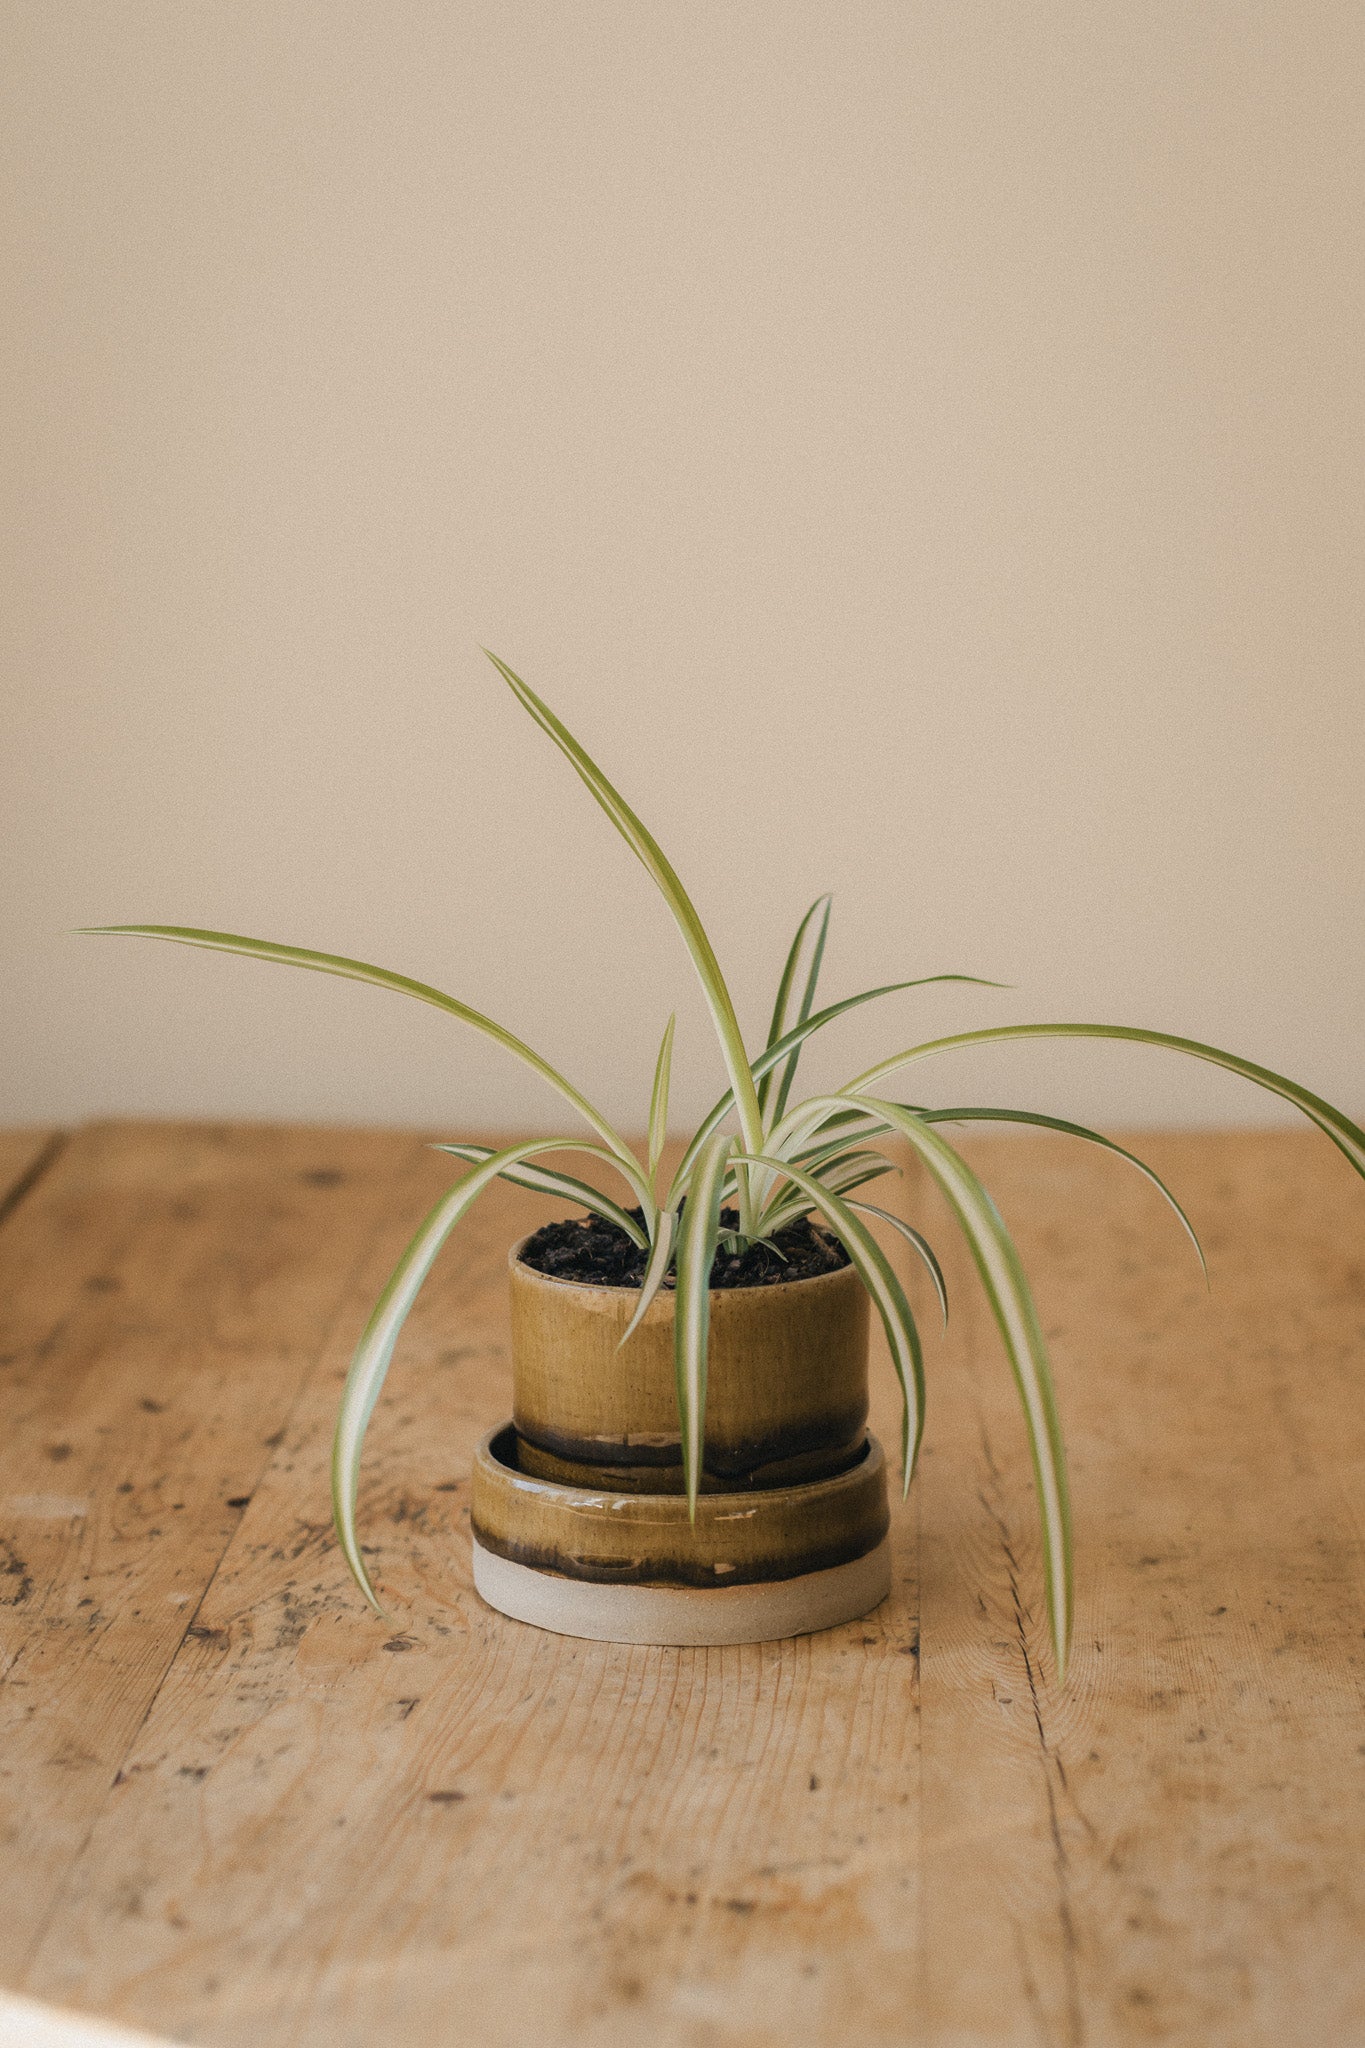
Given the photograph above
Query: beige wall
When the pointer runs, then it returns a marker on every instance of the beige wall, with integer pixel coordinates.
(918, 446)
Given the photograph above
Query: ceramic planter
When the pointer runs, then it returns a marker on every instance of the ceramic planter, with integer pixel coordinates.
(579, 1519)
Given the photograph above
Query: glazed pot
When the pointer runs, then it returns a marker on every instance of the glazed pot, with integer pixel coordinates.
(580, 1522)
(786, 1391)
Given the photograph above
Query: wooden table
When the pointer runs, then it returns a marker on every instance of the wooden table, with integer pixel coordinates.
(239, 1809)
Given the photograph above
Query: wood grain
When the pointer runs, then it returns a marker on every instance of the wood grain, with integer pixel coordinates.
(24, 1157)
(292, 1823)
(162, 1295)
(1170, 1851)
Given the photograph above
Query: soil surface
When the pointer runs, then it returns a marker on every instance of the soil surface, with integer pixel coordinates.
(592, 1250)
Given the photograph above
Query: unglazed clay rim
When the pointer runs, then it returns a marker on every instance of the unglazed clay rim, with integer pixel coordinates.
(839, 1277)
(684, 1616)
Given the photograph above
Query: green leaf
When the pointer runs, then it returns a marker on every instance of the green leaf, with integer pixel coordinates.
(850, 1170)
(823, 1160)
(661, 1251)
(378, 977)
(921, 1245)
(648, 851)
(658, 1101)
(1011, 1302)
(542, 1181)
(370, 1363)
(775, 1054)
(830, 1150)
(697, 1234)
(1070, 1130)
(879, 1277)
(782, 1020)
(1348, 1137)
(839, 1176)
(804, 1131)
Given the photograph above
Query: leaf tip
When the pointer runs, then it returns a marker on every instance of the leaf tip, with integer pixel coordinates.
(499, 664)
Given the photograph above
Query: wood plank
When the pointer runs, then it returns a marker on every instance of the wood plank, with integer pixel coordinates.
(24, 1156)
(1170, 1849)
(331, 1829)
(564, 1833)
(163, 1293)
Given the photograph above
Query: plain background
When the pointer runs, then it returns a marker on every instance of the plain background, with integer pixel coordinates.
(918, 448)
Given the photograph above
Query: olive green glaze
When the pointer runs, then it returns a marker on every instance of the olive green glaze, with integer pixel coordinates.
(646, 1539)
(787, 1377)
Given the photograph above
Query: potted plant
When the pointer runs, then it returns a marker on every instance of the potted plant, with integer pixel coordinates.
(687, 1459)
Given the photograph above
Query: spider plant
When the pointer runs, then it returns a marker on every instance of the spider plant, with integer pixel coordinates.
(775, 1160)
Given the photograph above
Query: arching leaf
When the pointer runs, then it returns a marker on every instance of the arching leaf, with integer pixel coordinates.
(378, 977)
(651, 855)
(921, 1245)
(1347, 1136)
(783, 1020)
(1070, 1130)
(660, 1252)
(370, 1363)
(1011, 1302)
(880, 1279)
(543, 1181)
(775, 1054)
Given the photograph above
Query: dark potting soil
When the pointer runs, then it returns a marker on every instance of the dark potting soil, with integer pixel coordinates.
(592, 1250)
